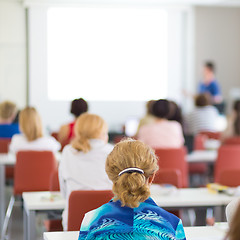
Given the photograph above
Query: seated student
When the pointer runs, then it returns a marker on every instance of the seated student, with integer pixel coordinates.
(8, 111)
(66, 132)
(162, 133)
(233, 217)
(233, 122)
(32, 134)
(131, 214)
(83, 161)
(204, 117)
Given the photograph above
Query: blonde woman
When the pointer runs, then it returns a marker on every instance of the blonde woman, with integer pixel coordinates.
(132, 214)
(32, 134)
(83, 161)
(8, 111)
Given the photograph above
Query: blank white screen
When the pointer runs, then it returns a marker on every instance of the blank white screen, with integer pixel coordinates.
(107, 54)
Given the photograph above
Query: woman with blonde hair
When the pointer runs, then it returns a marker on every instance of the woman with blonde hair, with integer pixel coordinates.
(132, 214)
(83, 161)
(32, 134)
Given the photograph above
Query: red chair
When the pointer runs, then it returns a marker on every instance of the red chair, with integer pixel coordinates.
(232, 141)
(81, 202)
(33, 170)
(228, 159)
(4, 144)
(211, 135)
(169, 176)
(230, 177)
(53, 225)
(174, 158)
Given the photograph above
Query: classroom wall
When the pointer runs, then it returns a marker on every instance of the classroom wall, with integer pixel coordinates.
(12, 52)
(217, 38)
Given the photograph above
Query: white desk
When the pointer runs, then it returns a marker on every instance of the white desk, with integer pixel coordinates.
(192, 233)
(8, 159)
(202, 156)
(184, 198)
(38, 201)
(73, 235)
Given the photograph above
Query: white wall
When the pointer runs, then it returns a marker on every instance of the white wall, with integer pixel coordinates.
(12, 52)
(217, 38)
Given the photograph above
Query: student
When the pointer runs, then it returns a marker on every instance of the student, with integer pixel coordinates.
(83, 162)
(8, 111)
(162, 133)
(203, 118)
(131, 214)
(32, 134)
(66, 132)
(233, 217)
(233, 122)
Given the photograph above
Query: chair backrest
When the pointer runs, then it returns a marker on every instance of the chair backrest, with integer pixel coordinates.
(211, 135)
(83, 201)
(33, 170)
(169, 176)
(228, 158)
(230, 177)
(174, 158)
(4, 143)
(54, 181)
(199, 142)
(232, 141)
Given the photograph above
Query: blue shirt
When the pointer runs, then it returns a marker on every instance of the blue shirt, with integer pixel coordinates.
(148, 221)
(8, 130)
(212, 88)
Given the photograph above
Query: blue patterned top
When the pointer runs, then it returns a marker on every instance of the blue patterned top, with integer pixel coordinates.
(148, 221)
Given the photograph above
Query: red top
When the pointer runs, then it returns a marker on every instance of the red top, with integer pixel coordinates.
(71, 130)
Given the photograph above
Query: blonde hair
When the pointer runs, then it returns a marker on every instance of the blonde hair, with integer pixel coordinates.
(7, 109)
(234, 230)
(88, 126)
(131, 188)
(30, 123)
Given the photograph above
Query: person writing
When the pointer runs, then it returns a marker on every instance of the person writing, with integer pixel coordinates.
(131, 214)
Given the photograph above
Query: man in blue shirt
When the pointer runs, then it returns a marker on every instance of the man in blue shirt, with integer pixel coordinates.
(210, 84)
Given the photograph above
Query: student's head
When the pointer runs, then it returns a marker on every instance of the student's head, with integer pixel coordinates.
(30, 123)
(160, 108)
(8, 111)
(234, 229)
(175, 112)
(149, 106)
(131, 188)
(79, 106)
(89, 126)
(203, 100)
(236, 108)
(208, 71)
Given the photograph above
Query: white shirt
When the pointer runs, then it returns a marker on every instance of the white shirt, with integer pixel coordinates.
(202, 119)
(83, 171)
(19, 142)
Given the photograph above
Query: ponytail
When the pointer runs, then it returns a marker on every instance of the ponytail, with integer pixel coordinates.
(81, 144)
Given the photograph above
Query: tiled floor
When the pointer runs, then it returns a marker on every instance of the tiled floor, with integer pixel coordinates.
(15, 228)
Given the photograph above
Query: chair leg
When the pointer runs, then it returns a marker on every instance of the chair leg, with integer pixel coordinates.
(7, 217)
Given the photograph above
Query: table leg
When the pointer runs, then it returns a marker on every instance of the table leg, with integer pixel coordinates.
(219, 213)
(2, 195)
(29, 224)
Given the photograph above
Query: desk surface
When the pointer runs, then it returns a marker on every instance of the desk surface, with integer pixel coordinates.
(193, 233)
(208, 156)
(188, 197)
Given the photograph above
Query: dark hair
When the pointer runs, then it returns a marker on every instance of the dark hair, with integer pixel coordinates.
(236, 107)
(210, 66)
(161, 108)
(175, 112)
(78, 107)
(149, 106)
(203, 100)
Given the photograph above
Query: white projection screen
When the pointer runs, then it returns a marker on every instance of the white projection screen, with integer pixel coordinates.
(107, 54)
